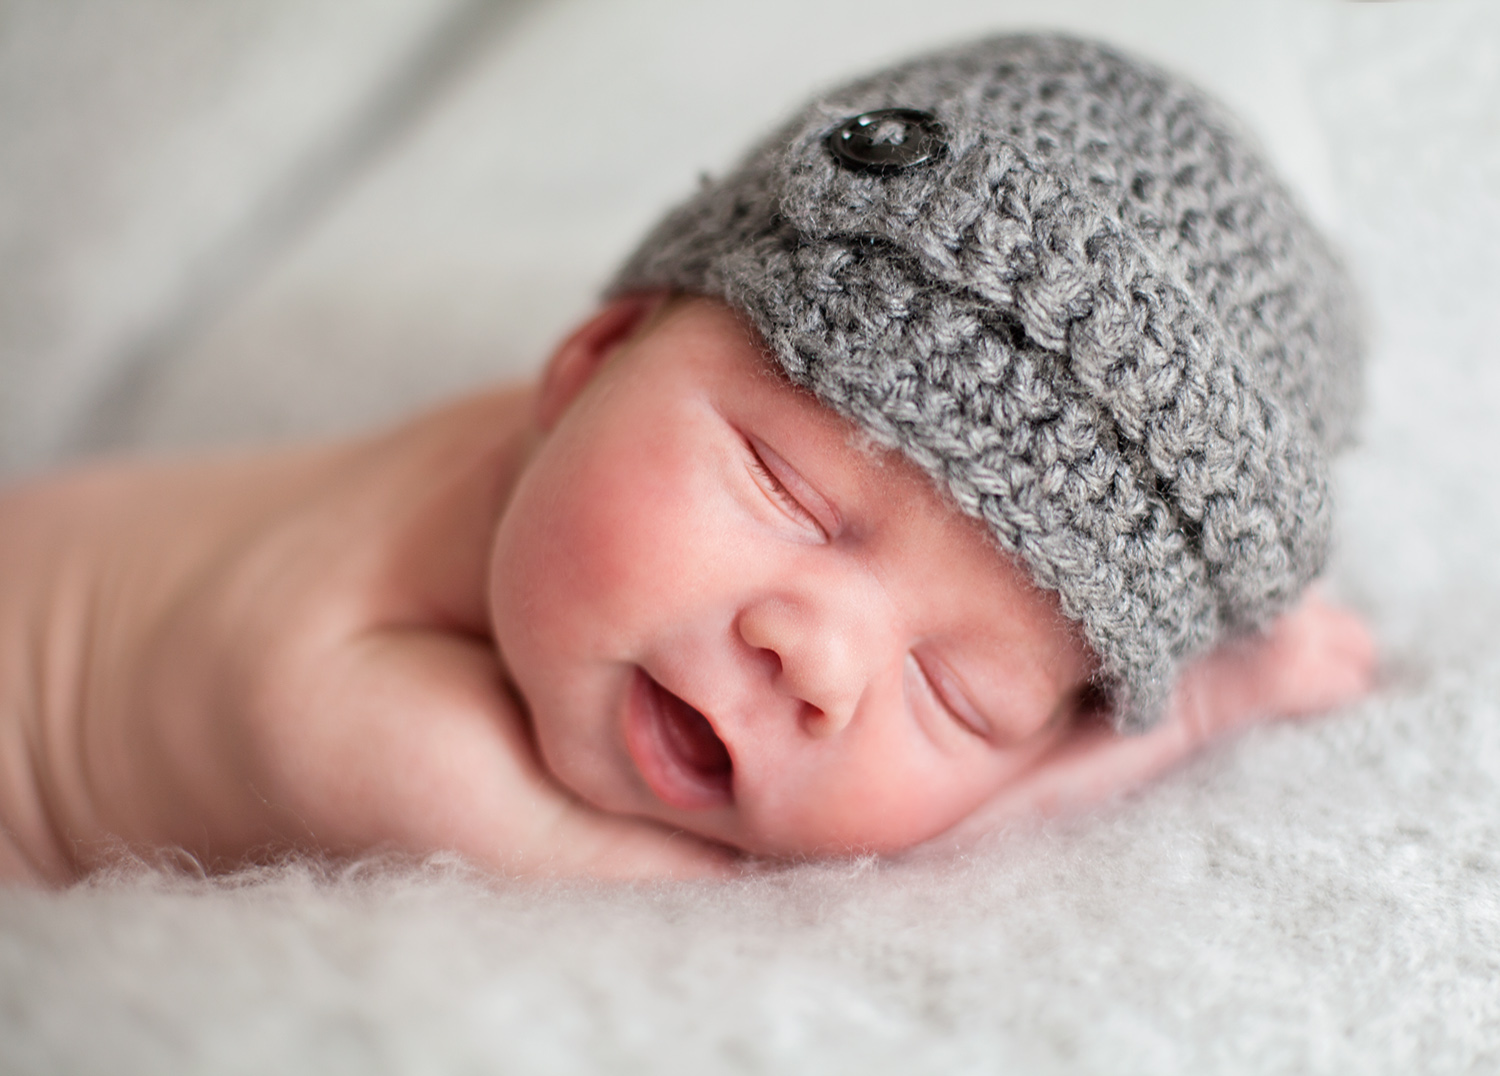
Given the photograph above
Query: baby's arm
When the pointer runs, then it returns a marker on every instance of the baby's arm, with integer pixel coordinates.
(288, 651)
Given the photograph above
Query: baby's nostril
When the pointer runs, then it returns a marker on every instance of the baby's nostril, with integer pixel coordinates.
(819, 722)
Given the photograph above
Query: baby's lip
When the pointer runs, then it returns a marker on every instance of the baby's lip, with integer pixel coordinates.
(676, 749)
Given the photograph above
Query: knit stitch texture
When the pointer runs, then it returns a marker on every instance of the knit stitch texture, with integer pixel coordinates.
(1097, 320)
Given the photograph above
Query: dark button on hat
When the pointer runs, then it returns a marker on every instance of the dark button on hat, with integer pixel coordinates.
(888, 140)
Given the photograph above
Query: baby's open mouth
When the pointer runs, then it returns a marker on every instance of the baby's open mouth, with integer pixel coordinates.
(676, 749)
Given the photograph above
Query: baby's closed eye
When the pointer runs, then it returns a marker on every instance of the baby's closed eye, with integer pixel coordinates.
(786, 488)
(943, 688)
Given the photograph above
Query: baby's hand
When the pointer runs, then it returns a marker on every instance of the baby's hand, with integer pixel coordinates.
(291, 651)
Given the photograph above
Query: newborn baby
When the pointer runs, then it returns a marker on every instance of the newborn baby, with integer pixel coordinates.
(965, 449)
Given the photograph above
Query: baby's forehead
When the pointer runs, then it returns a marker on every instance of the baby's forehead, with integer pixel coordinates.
(852, 458)
(818, 431)
(738, 351)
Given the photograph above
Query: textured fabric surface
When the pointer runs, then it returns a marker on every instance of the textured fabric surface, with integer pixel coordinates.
(1321, 897)
(1096, 318)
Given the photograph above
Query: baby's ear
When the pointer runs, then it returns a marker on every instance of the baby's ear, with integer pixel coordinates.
(580, 356)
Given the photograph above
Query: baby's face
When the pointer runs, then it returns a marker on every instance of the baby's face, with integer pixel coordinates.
(725, 610)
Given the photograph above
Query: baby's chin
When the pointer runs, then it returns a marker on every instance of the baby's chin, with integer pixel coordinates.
(810, 838)
(798, 839)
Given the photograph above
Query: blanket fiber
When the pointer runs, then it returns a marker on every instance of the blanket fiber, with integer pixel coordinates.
(1313, 897)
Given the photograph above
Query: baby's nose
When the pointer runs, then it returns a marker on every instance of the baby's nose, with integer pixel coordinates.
(820, 661)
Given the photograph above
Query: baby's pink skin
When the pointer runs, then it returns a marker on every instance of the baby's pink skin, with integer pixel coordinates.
(240, 656)
(235, 658)
(875, 668)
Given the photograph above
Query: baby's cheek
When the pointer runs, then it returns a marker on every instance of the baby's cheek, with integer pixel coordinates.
(618, 550)
(881, 801)
(664, 539)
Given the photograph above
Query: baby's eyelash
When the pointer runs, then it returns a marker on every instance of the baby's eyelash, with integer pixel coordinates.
(779, 490)
(962, 713)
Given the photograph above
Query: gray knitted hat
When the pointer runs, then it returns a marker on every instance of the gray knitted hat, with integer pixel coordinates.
(1064, 284)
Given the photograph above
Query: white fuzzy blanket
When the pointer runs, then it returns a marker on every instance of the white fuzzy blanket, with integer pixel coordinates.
(1319, 897)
